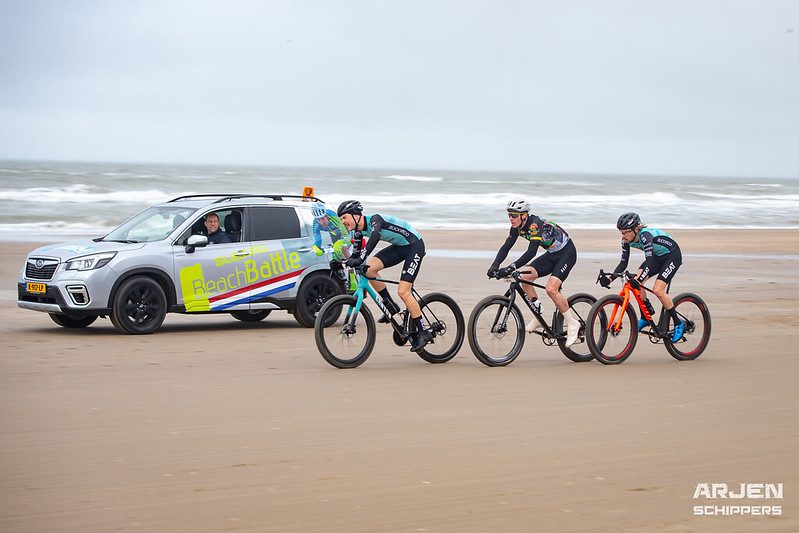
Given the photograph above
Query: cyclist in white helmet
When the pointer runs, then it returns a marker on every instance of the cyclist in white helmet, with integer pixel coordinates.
(327, 220)
(559, 259)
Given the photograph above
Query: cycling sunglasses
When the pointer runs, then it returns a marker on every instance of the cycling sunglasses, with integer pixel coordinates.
(514, 215)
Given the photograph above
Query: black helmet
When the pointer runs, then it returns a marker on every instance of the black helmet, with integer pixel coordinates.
(628, 221)
(353, 207)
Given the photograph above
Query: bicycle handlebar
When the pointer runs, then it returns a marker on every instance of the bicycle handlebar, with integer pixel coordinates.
(609, 276)
(515, 274)
(342, 265)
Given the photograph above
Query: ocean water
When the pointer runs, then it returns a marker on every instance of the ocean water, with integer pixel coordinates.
(52, 199)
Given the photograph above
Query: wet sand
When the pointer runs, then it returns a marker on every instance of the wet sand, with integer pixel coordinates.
(212, 424)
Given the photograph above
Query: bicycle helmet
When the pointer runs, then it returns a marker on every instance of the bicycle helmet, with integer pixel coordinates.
(518, 205)
(628, 221)
(353, 207)
(318, 210)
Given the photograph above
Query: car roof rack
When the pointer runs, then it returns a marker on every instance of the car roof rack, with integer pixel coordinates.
(277, 197)
(228, 197)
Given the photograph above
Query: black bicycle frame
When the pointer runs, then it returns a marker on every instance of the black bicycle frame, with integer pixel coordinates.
(516, 287)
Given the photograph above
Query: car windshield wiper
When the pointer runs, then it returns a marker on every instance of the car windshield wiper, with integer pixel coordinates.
(126, 241)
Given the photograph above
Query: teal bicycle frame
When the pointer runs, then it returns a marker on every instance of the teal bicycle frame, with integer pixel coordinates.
(364, 288)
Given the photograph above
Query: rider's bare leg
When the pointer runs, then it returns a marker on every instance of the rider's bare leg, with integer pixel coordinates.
(553, 291)
(410, 302)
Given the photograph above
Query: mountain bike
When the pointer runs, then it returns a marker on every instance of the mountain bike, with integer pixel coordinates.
(496, 327)
(613, 326)
(345, 329)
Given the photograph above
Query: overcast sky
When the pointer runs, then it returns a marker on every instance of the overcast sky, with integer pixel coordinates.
(695, 87)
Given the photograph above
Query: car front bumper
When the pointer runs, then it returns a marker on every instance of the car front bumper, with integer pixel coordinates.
(69, 293)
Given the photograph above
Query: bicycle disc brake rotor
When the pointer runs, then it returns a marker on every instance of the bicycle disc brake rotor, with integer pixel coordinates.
(438, 327)
(499, 331)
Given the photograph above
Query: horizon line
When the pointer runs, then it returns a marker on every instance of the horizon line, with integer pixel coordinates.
(393, 168)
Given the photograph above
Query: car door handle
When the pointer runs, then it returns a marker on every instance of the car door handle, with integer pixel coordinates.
(241, 253)
(305, 249)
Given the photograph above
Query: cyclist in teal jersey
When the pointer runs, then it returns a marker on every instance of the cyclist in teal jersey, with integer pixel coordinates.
(662, 257)
(406, 246)
(327, 220)
(557, 262)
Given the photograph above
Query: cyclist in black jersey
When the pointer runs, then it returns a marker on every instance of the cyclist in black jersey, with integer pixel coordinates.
(406, 246)
(662, 257)
(559, 259)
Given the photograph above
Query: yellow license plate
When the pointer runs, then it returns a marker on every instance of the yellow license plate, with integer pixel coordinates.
(40, 288)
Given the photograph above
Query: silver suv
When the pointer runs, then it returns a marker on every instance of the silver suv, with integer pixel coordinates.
(163, 260)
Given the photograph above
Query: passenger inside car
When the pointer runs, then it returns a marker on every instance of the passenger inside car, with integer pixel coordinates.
(177, 221)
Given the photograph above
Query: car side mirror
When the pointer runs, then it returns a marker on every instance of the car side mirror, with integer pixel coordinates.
(196, 241)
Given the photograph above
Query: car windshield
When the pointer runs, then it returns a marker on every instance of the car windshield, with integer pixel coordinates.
(153, 224)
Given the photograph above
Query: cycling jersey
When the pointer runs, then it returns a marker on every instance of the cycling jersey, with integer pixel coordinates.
(389, 229)
(655, 244)
(335, 227)
(539, 232)
(406, 244)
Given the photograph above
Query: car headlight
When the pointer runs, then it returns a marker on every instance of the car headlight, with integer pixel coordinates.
(90, 262)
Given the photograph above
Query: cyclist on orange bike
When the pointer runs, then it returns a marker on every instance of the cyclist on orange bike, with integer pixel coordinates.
(559, 259)
(405, 246)
(662, 257)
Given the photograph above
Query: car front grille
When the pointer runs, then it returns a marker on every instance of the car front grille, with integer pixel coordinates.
(40, 268)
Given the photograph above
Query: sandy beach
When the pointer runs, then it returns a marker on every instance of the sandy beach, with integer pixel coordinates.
(212, 424)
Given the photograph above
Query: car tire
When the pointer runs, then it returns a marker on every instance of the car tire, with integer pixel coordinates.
(316, 289)
(139, 306)
(256, 315)
(71, 321)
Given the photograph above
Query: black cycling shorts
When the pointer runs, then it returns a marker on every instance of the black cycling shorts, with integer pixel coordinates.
(412, 254)
(666, 265)
(559, 263)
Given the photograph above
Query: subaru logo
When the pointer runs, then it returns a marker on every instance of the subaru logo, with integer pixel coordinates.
(39, 263)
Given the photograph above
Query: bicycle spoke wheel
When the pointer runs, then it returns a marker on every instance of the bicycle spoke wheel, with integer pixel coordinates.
(578, 352)
(694, 312)
(342, 342)
(445, 320)
(611, 334)
(496, 332)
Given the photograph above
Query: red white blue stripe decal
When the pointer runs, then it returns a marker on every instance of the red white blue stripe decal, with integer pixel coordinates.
(256, 291)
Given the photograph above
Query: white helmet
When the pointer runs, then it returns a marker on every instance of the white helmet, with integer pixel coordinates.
(518, 205)
(319, 210)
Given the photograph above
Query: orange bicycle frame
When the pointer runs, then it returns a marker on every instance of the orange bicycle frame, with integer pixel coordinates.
(614, 324)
